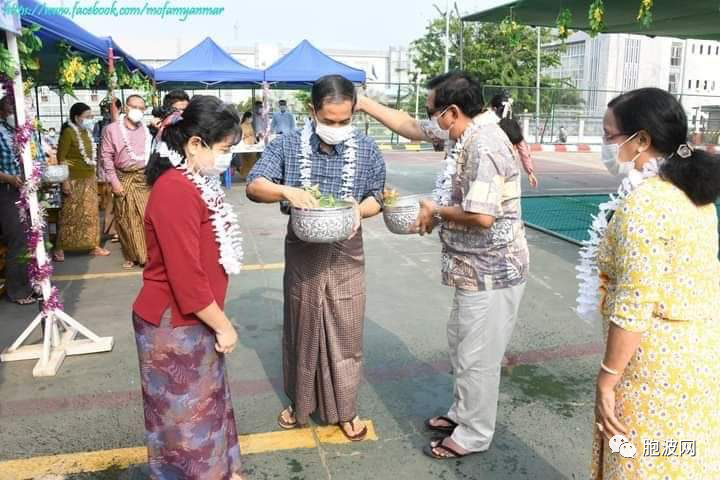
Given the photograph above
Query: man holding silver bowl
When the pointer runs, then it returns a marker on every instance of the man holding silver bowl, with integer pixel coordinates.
(320, 173)
(484, 251)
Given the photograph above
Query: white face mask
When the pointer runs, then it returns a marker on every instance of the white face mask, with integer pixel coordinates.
(333, 135)
(88, 124)
(135, 115)
(610, 156)
(10, 119)
(437, 131)
(222, 163)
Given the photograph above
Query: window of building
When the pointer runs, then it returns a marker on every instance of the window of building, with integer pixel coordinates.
(689, 83)
(717, 50)
(697, 84)
(701, 49)
(713, 86)
(693, 48)
(705, 85)
(709, 49)
(673, 83)
(676, 54)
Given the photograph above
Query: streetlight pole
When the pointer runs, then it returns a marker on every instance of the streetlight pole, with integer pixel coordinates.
(537, 89)
(462, 37)
(417, 95)
(447, 35)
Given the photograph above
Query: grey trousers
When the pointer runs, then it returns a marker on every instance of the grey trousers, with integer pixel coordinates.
(479, 330)
(13, 234)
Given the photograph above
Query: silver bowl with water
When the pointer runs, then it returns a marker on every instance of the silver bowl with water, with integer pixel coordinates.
(400, 218)
(323, 225)
(55, 173)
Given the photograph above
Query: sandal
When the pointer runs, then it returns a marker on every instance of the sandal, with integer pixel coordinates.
(287, 419)
(449, 429)
(25, 301)
(129, 265)
(358, 436)
(99, 252)
(445, 452)
(115, 238)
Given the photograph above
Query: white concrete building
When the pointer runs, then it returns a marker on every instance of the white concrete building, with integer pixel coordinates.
(609, 64)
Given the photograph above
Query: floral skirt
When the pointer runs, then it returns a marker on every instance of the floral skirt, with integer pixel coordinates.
(189, 420)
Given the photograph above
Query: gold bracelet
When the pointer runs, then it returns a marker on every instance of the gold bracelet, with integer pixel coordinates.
(609, 370)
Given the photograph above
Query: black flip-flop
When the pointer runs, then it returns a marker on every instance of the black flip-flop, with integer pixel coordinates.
(451, 453)
(440, 428)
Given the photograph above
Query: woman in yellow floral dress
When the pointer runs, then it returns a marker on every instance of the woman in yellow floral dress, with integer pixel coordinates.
(659, 381)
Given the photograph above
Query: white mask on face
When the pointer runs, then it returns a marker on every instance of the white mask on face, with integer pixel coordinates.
(333, 135)
(88, 124)
(437, 131)
(135, 115)
(10, 119)
(222, 163)
(610, 156)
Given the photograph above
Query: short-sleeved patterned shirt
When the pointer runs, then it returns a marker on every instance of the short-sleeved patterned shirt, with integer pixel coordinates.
(280, 163)
(487, 182)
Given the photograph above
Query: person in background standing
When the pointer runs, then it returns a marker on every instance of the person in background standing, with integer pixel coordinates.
(247, 160)
(174, 101)
(514, 132)
(79, 225)
(13, 231)
(562, 136)
(259, 123)
(282, 121)
(125, 151)
(106, 196)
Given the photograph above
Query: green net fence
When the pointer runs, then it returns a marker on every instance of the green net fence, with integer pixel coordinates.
(564, 216)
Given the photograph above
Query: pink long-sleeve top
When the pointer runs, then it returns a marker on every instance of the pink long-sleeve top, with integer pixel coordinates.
(114, 151)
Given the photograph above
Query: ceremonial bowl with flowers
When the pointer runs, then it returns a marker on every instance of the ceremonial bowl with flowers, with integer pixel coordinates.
(401, 213)
(331, 221)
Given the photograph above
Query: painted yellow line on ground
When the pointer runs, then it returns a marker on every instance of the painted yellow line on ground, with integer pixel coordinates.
(137, 273)
(384, 147)
(122, 458)
(412, 147)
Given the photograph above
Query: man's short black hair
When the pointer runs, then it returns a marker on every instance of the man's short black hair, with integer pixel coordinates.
(283, 102)
(460, 89)
(258, 102)
(174, 96)
(134, 95)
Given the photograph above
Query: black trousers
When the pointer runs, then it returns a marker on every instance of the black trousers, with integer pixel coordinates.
(13, 233)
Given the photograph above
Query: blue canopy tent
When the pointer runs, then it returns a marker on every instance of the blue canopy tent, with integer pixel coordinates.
(208, 65)
(304, 64)
(58, 28)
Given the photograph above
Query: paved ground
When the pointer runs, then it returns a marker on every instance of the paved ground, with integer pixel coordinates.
(93, 404)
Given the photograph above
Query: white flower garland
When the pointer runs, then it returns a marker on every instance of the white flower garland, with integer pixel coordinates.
(148, 140)
(224, 219)
(92, 161)
(588, 300)
(349, 161)
(442, 194)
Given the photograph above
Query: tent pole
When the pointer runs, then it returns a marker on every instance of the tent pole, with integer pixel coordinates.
(37, 107)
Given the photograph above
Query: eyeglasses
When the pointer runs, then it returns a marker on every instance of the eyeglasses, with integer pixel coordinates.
(608, 138)
(432, 113)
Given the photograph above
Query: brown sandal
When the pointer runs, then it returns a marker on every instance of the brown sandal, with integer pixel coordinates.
(358, 437)
(287, 424)
(441, 428)
(25, 301)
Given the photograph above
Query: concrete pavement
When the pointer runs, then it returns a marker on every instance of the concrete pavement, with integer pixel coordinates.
(545, 415)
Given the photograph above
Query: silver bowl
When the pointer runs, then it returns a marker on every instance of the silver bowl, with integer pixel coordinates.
(323, 225)
(55, 174)
(400, 218)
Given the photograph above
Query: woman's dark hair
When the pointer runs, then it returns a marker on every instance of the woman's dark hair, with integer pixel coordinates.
(205, 117)
(460, 89)
(245, 116)
(663, 118)
(332, 88)
(76, 110)
(496, 103)
(171, 97)
(175, 96)
(512, 129)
